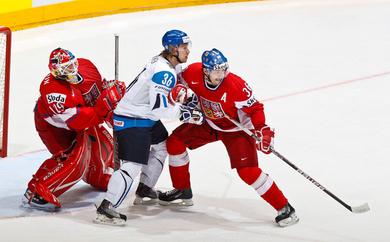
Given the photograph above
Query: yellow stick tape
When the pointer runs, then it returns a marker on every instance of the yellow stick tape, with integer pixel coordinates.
(90, 8)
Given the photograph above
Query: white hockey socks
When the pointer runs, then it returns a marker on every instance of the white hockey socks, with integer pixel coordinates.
(152, 171)
(121, 182)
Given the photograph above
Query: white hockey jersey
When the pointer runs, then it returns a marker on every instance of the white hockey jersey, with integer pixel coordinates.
(147, 95)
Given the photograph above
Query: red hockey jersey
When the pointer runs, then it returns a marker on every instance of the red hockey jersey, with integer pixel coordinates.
(70, 106)
(233, 97)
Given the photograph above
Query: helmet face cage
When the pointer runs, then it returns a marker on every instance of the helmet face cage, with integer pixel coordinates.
(63, 65)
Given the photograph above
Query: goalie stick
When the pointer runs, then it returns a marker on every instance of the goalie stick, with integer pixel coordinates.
(356, 209)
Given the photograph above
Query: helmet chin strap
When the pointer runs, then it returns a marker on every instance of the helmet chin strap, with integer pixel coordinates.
(209, 84)
(178, 59)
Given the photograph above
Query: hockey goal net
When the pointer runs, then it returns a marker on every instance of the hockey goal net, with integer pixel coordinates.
(5, 57)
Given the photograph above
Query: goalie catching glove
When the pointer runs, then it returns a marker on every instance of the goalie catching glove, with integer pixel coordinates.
(266, 136)
(109, 98)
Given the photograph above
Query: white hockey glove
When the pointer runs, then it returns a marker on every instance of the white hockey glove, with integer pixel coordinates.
(192, 115)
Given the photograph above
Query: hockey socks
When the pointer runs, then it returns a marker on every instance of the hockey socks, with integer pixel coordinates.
(264, 186)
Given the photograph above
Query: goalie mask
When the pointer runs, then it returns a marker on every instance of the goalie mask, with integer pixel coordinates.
(64, 65)
(215, 68)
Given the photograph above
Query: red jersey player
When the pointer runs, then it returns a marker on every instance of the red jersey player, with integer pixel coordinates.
(74, 101)
(220, 93)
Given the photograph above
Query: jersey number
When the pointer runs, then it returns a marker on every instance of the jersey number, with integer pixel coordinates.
(167, 81)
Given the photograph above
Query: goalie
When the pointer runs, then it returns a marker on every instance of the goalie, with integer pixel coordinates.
(74, 102)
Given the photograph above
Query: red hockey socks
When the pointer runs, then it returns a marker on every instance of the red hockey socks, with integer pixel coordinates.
(264, 186)
(180, 176)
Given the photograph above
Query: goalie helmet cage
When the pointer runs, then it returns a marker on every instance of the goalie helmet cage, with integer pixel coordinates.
(5, 58)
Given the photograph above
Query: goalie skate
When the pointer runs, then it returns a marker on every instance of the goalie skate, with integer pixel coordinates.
(108, 216)
(34, 201)
(176, 197)
(145, 195)
(286, 216)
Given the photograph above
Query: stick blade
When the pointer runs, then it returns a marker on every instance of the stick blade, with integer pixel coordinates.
(361, 209)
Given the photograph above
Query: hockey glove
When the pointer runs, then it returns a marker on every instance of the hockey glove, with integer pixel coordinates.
(266, 136)
(178, 94)
(121, 86)
(183, 95)
(191, 115)
(107, 100)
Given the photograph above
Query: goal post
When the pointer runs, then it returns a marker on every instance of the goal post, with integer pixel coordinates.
(5, 63)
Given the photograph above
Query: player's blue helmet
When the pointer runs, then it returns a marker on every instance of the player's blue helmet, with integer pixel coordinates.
(214, 60)
(174, 38)
(215, 67)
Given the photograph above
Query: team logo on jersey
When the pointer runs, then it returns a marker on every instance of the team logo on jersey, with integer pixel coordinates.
(56, 102)
(212, 110)
(91, 95)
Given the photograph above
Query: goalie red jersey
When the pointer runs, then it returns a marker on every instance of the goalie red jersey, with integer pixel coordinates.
(233, 96)
(74, 101)
(71, 106)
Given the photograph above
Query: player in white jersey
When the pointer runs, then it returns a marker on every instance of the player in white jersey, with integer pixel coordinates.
(140, 135)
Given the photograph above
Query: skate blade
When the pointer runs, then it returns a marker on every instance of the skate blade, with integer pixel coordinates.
(145, 201)
(293, 219)
(46, 207)
(177, 203)
(101, 219)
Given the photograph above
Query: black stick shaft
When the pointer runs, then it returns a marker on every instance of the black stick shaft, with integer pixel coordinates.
(311, 179)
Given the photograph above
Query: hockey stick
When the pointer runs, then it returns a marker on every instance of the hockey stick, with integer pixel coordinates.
(357, 209)
(116, 158)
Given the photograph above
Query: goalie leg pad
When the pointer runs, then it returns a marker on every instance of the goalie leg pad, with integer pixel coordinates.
(59, 173)
(101, 165)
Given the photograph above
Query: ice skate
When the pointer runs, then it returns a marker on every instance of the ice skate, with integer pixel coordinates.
(286, 216)
(176, 197)
(34, 201)
(145, 195)
(107, 215)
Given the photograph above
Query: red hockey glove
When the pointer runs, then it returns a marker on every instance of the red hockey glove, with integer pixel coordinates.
(107, 101)
(178, 94)
(119, 84)
(267, 139)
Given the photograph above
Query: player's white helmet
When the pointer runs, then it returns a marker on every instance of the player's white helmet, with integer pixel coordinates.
(64, 65)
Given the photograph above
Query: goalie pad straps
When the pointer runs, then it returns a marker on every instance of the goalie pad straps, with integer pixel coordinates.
(152, 171)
